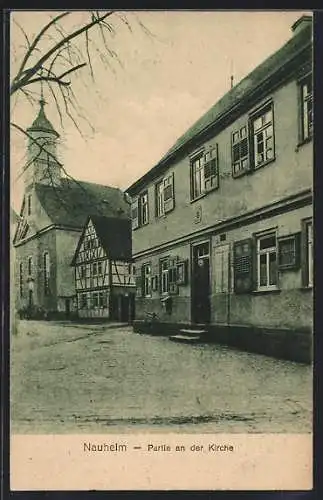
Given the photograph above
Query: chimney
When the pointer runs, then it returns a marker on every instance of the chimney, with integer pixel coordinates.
(301, 23)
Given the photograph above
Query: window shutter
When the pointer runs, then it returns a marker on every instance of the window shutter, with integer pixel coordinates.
(243, 265)
(169, 195)
(135, 214)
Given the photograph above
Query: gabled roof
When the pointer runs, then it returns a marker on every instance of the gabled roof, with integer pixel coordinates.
(114, 235)
(71, 202)
(231, 100)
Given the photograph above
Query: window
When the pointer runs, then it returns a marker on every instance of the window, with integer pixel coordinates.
(164, 280)
(310, 253)
(100, 267)
(83, 271)
(288, 251)
(29, 204)
(139, 211)
(306, 108)
(143, 207)
(204, 173)
(102, 299)
(267, 262)
(240, 152)
(94, 269)
(30, 266)
(21, 279)
(146, 273)
(307, 253)
(95, 299)
(165, 200)
(262, 126)
(82, 301)
(46, 273)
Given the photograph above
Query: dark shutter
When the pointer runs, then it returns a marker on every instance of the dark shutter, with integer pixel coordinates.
(289, 251)
(243, 266)
(135, 214)
(169, 195)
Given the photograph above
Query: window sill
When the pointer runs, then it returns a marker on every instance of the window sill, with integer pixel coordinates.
(258, 167)
(204, 194)
(303, 142)
(306, 288)
(265, 292)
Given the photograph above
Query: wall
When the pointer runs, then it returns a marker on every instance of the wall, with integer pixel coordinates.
(289, 173)
(290, 308)
(36, 248)
(66, 243)
(181, 303)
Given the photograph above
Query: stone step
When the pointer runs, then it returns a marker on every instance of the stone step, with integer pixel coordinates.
(185, 338)
(192, 331)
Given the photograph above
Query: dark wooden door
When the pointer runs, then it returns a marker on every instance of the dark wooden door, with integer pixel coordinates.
(67, 307)
(201, 283)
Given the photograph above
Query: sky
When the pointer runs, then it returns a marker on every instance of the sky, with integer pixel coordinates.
(165, 80)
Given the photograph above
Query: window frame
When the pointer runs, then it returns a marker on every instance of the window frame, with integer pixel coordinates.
(253, 117)
(164, 261)
(143, 208)
(199, 172)
(266, 251)
(307, 254)
(302, 82)
(21, 279)
(146, 279)
(242, 171)
(46, 265)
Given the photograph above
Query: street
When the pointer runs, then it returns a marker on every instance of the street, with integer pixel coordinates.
(71, 378)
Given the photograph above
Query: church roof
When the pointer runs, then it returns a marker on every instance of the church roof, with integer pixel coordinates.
(71, 202)
(41, 122)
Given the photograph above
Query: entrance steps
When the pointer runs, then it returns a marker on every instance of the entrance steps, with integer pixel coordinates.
(189, 335)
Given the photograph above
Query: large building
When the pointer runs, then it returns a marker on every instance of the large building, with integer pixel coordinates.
(104, 273)
(53, 213)
(222, 225)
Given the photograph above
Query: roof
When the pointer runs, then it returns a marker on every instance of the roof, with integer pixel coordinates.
(41, 122)
(236, 96)
(71, 202)
(114, 235)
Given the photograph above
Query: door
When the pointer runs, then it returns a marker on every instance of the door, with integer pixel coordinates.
(201, 283)
(67, 307)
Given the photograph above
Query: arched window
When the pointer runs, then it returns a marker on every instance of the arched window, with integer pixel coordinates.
(46, 273)
(21, 279)
(30, 266)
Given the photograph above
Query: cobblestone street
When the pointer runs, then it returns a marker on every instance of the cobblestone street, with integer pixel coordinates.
(68, 377)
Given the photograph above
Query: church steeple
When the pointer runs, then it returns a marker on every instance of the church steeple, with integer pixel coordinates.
(43, 166)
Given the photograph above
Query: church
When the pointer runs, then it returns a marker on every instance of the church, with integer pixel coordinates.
(54, 210)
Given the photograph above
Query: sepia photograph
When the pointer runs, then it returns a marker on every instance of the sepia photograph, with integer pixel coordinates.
(161, 220)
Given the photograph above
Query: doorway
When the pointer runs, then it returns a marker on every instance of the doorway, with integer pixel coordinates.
(201, 283)
(67, 307)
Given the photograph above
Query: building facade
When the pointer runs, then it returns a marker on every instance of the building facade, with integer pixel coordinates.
(54, 210)
(222, 225)
(104, 277)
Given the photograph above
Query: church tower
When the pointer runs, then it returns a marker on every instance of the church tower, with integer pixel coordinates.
(43, 166)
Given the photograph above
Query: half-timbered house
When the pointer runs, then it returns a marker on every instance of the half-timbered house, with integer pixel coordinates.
(52, 216)
(104, 273)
